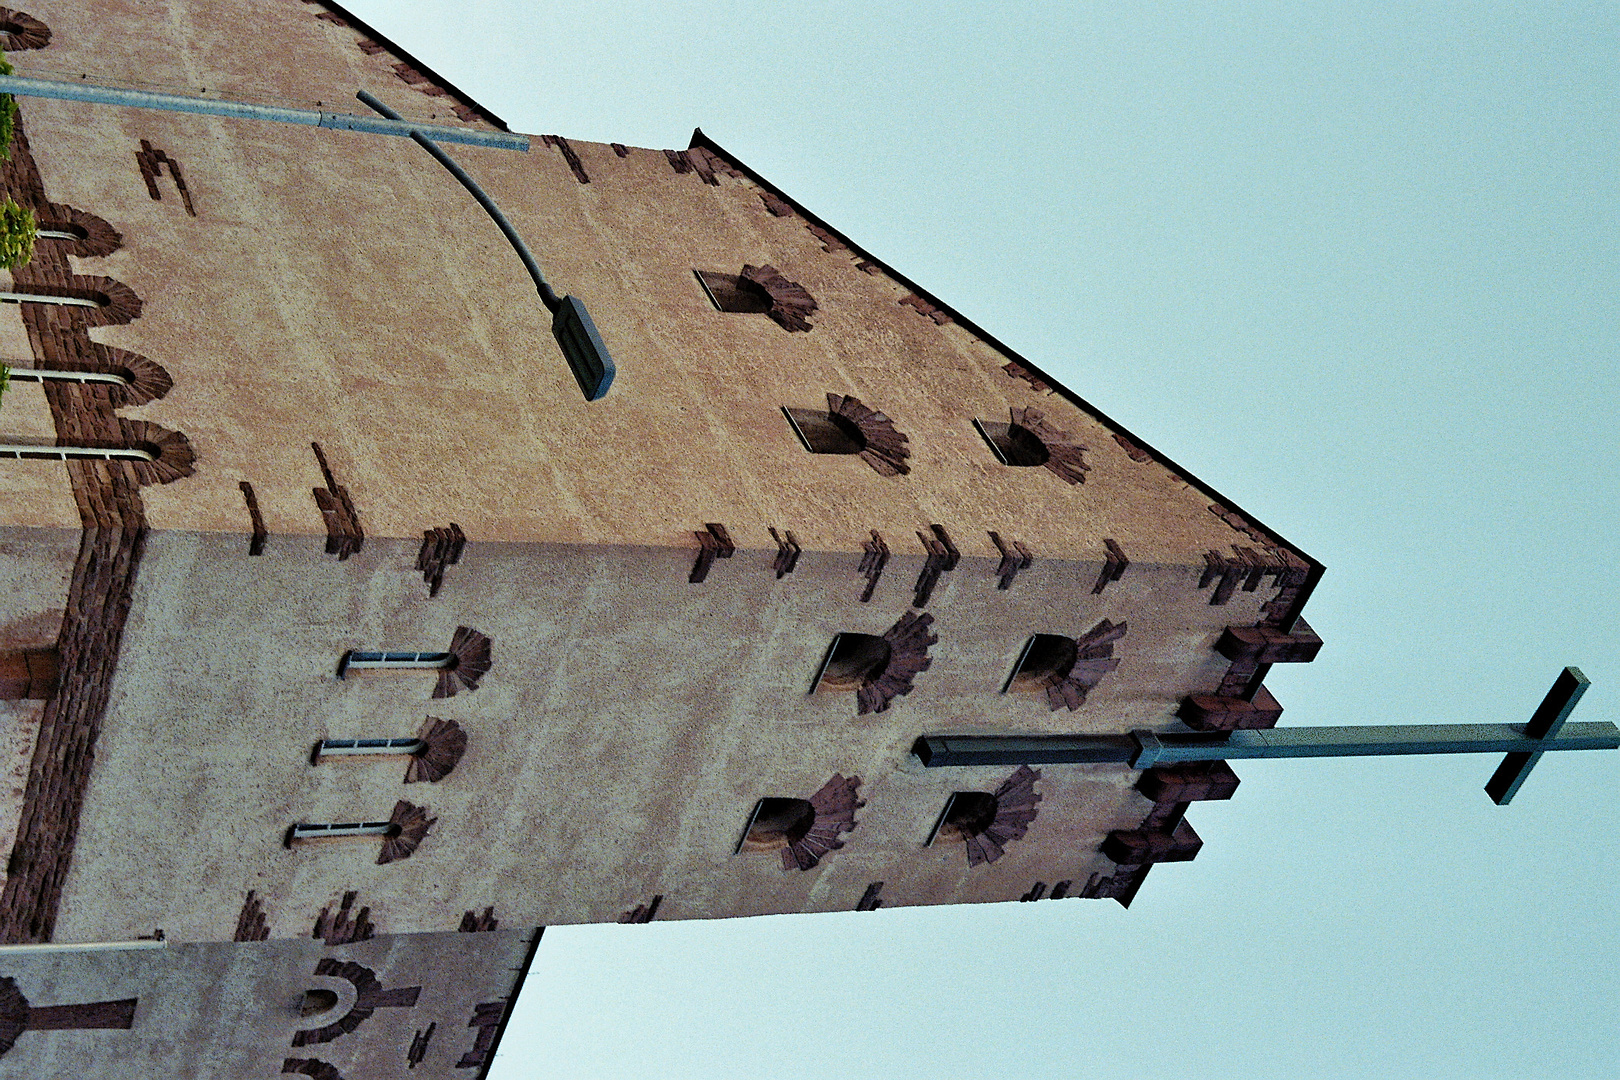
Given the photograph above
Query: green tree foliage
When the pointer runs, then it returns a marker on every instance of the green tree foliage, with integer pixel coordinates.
(8, 114)
(17, 232)
(5, 380)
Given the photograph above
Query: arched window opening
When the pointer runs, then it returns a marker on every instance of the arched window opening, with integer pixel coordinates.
(1045, 661)
(734, 293)
(25, 452)
(853, 661)
(317, 1002)
(777, 823)
(967, 814)
(825, 432)
(1014, 444)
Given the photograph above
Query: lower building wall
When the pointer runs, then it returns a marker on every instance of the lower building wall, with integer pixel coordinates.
(423, 1005)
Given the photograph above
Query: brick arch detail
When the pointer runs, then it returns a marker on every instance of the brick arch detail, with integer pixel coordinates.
(20, 30)
(99, 238)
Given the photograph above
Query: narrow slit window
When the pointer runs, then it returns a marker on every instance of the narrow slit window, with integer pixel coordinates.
(734, 293)
(48, 298)
(72, 232)
(355, 659)
(341, 830)
(824, 432)
(341, 747)
(41, 375)
(1013, 444)
(853, 661)
(25, 452)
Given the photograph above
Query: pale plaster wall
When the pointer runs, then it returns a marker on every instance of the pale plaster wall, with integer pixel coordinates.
(343, 288)
(35, 566)
(616, 749)
(208, 1011)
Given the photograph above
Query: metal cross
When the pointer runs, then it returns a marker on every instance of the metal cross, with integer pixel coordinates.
(1522, 743)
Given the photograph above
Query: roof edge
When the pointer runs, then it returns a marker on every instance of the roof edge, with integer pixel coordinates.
(357, 23)
(511, 1002)
(699, 139)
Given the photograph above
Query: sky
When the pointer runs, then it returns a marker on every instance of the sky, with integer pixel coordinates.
(1354, 267)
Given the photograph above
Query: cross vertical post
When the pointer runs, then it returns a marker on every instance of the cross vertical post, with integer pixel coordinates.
(1545, 724)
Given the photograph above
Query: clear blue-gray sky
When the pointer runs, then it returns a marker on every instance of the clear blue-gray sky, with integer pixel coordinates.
(1356, 268)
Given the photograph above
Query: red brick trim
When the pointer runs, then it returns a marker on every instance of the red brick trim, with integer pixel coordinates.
(20, 30)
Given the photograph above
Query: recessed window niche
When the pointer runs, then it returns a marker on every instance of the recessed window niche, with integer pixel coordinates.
(777, 823)
(825, 432)
(1013, 444)
(1046, 659)
(853, 661)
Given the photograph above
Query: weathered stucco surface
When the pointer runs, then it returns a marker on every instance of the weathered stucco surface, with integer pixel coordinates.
(342, 288)
(231, 1010)
(616, 748)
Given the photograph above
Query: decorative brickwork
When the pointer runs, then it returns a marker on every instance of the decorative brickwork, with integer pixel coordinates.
(93, 236)
(835, 805)
(17, 1015)
(1016, 370)
(643, 913)
(251, 924)
(406, 69)
(714, 542)
(260, 533)
(1132, 451)
(1113, 565)
(926, 309)
(443, 744)
(312, 1067)
(1064, 456)
(908, 641)
(1068, 684)
(787, 553)
(475, 923)
(1014, 557)
(29, 674)
(341, 929)
(875, 556)
(620, 149)
(942, 558)
(369, 997)
(20, 31)
(419, 1045)
(1212, 712)
(871, 899)
(344, 536)
(776, 206)
(471, 660)
(987, 824)
(886, 448)
(486, 1018)
(569, 155)
(791, 304)
(108, 497)
(441, 548)
(413, 824)
(152, 162)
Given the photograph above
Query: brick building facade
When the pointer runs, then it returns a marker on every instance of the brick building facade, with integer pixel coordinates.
(343, 628)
